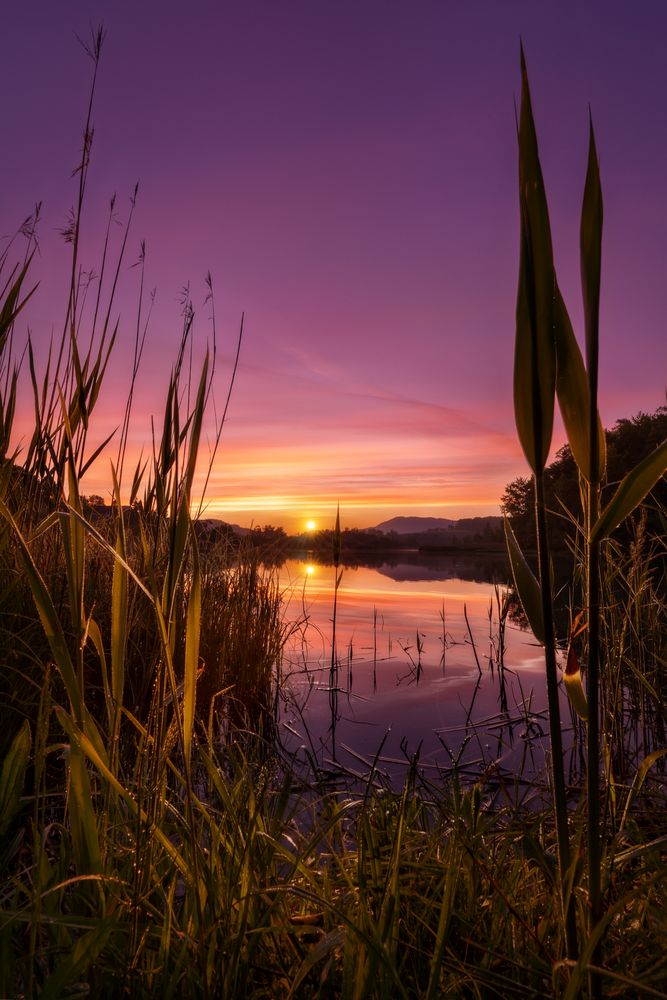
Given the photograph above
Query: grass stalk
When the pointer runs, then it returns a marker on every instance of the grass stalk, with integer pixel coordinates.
(535, 375)
(555, 731)
(591, 244)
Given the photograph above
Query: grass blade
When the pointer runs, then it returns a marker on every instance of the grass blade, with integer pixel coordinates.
(94, 757)
(195, 431)
(632, 490)
(591, 247)
(83, 823)
(11, 306)
(534, 350)
(48, 617)
(191, 652)
(573, 392)
(12, 776)
(639, 779)
(96, 638)
(84, 953)
(574, 686)
(526, 584)
(119, 607)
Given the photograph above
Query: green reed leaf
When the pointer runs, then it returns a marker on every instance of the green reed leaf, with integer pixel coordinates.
(526, 584)
(166, 454)
(136, 480)
(119, 604)
(337, 539)
(191, 651)
(98, 451)
(7, 409)
(177, 551)
(74, 549)
(91, 752)
(73, 967)
(96, 377)
(12, 776)
(83, 821)
(95, 636)
(102, 542)
(48, 617)
(534, 349)
(573, 392)
(590, 239)
(639, 779)
(11, 306)
(573, 685)
(632, 490)
(195, 433)
(452, 863)
(328, 945)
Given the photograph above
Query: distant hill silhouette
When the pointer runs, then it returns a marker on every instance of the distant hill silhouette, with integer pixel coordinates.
(409, 525)
(421, 525)
(212, 523)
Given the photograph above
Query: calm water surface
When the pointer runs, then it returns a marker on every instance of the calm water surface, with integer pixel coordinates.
(406, 676)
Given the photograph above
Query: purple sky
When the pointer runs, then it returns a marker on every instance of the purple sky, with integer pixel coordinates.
(347, 172)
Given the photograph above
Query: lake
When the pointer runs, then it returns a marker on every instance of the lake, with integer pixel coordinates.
(422, 664)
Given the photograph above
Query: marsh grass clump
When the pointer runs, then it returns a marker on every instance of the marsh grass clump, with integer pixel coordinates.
(243, 635)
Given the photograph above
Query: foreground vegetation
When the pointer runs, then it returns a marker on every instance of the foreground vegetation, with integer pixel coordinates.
(154, 839)
(628, 442)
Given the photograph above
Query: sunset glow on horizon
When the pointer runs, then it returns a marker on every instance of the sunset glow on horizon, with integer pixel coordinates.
(348, 176)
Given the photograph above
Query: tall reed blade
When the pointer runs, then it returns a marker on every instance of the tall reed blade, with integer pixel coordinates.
(591, 256)
(534, 392)
(82, 816)
(191, 651)
(195, 430)
(573, 684)
(119, 619)
(525, 583)
(49, 619)
(573, 392)
(7, 408)
(534, 352)
(90, 750)
(630, 493)
(12, 776)
(11, 305)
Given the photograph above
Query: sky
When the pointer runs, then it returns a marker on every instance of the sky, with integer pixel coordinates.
(347, 173)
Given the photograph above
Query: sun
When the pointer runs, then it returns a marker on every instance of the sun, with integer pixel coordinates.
(311, 525)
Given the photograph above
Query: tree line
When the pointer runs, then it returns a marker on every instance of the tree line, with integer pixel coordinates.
(628, 442)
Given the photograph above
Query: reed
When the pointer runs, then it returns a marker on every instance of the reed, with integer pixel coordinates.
(548, 364)
(534, 391)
